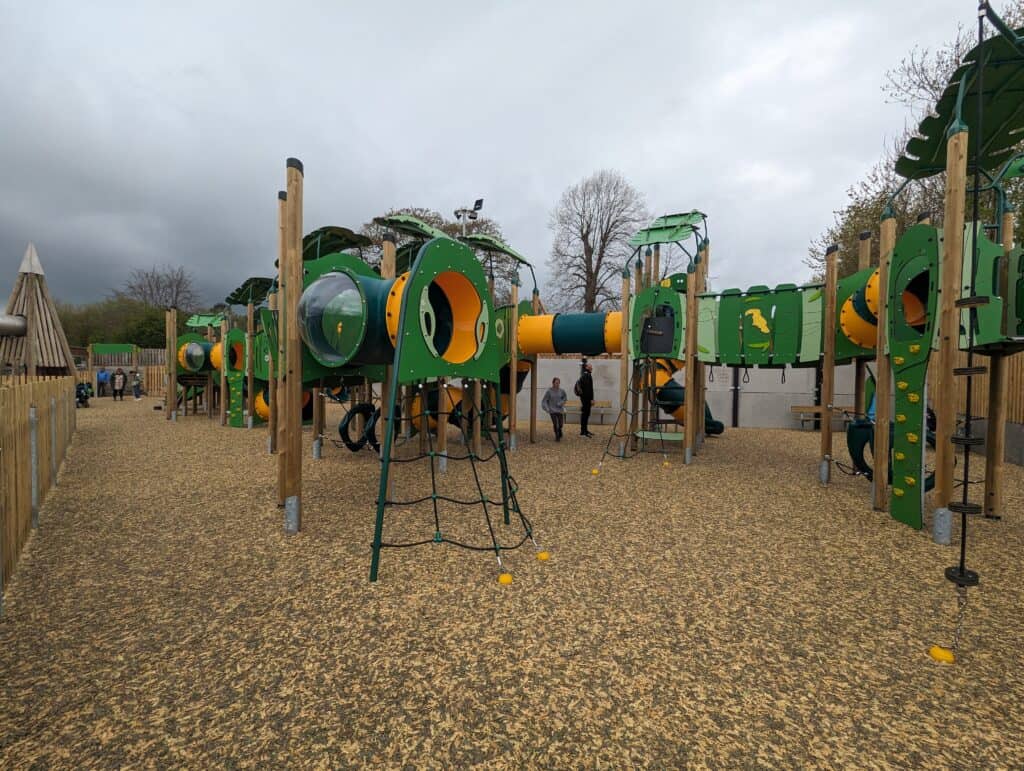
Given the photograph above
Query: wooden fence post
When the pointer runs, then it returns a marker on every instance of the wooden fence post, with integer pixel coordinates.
(33, 443)
(828, 364)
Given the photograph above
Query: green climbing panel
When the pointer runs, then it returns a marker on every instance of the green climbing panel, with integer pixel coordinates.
(730, 315)
(812, 308)
(707, 328)
(786, 324)
(756, 327)
(988, 329)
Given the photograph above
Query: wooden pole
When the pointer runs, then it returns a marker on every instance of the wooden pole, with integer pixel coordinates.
(621, 423)
(291, 416)
(225, 402)
(250, 364)
(998, 393)
(861, 365)
(636, 404)
(319, 415)
(828, 364)
(272, 387)
(690, 362)
(171, 403)
(945, 391)
(92, 375)
(700, 379)
(513, 345)
(656, 265)
(648, 260)
(444, 405)
(534, 374)
(32, 315)
(883, 366)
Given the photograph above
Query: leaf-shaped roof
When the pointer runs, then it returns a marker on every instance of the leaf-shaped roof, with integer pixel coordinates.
(668, 229)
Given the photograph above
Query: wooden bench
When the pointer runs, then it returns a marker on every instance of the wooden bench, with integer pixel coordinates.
(598, 409)
(808, 413)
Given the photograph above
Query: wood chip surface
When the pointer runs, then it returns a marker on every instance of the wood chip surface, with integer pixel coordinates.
(730, 613)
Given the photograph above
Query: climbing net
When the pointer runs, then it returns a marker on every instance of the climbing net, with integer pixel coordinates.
(638, 415)
(493, 447)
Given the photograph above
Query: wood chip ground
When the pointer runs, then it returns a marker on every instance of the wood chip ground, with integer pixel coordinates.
(730, 613)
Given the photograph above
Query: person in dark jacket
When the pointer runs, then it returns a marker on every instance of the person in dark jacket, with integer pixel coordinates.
(585, 390)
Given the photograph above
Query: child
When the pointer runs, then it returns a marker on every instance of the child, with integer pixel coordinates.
(553, 404)
(136, 385)
(118, 382)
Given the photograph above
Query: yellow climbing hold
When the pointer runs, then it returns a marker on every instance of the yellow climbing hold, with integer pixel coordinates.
(898, 492)
(913, 398)
(901, 418)
(543, 556)
(942, 655)
(595, 471)
(910, 481)
(505, 578)
(758, 320)
(903, 385)
(912, 438)
(899, 456)
(915, 348)
(897, 360)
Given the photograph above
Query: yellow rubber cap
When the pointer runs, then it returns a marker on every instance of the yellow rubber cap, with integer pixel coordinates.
(505, 578)
(942, 655)
(543, 556)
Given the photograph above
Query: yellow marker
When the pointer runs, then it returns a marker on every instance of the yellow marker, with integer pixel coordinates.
(595, 472)
(903, 385)
(913, 398)
(505, 578)
(899, 456)
(915, 348)
(543, 556)
(898, 360)
(912, 438)
(758, 320)
(665, 464)
(942, 655)
(901, 418)
(666, 282)
(898, 492)
(910, 481)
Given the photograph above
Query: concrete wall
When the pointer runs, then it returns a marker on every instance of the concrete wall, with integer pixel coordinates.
(765, 400)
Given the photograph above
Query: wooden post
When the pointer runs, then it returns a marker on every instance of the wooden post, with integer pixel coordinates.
(272, 387)
(700, 380)
(92, 375)
(621, 423)
(861, 365)
(690, 361)
(389, 250)
(648, 259)
(280, 404)
(998, 393)
(945, 392)
(135, 358)
(513, 359)
(250, 365)
(637, 382)
(171, 365)
(319, 405)
(225, 402)
(828, 364)
(291, 416)
(656, 265)
(467, 407)
(883, 365)
(534, 374)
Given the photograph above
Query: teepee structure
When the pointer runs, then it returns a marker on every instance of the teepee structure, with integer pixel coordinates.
(43, 348)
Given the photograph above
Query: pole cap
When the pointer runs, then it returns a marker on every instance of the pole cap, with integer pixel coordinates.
(294, 163)
(864, 235)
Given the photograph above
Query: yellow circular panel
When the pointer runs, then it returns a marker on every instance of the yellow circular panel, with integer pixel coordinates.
(613, 332)
(857, 330)
(181, 356)
(394, 307)
(217, 356)
(261, 406)
(871, 293)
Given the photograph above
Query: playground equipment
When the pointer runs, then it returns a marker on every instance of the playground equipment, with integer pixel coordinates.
(32, 340)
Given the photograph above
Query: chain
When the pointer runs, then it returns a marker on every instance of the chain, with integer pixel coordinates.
(961, 612)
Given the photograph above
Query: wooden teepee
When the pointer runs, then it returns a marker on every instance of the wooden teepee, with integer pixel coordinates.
(44, 349)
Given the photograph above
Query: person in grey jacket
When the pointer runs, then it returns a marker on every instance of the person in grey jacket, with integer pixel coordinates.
(553, 404)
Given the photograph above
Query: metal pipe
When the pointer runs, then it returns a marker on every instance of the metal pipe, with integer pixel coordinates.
(13, 326)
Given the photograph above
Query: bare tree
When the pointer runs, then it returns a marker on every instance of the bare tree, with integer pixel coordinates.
(592, 224)
(162, 286)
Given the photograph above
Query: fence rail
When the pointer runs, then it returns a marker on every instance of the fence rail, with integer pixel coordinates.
(37, 420)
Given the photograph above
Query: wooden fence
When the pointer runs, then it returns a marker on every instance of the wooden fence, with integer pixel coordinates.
(153, 378)
(979, 388)
(24, 484)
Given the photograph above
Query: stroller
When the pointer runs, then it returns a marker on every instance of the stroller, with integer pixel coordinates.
(82, 394)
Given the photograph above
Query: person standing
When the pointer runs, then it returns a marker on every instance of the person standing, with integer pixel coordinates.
(136, 385)
(553, 404)
(102, 378)
(585, 390)
(118, 382)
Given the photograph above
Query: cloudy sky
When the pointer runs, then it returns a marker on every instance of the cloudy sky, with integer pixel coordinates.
(139, 133)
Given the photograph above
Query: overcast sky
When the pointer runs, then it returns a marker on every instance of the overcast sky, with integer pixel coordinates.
(140, 133)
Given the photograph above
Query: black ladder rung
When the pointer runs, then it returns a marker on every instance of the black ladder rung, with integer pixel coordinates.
(972, 302)
(965, 508)
(967, 441)
(981, 369)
